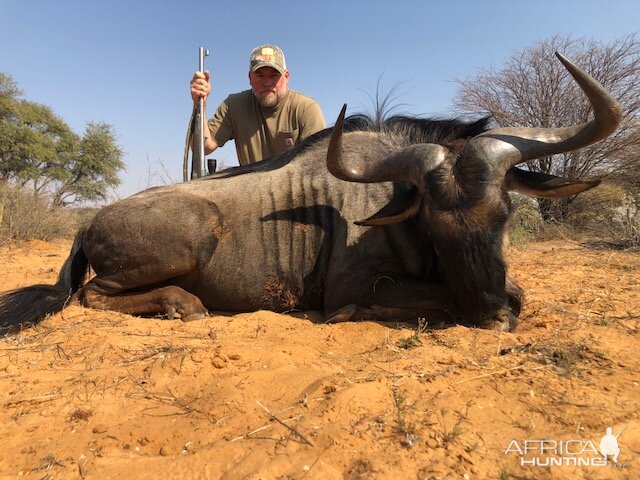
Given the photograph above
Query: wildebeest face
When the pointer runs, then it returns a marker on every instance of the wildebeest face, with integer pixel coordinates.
(467, 238)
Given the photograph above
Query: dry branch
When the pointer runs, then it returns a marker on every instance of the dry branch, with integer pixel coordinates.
(281, 422)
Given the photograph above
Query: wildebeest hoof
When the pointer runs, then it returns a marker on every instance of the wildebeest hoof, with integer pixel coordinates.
(497, 325)
(344, 314)
(193, 316)
(503, 321)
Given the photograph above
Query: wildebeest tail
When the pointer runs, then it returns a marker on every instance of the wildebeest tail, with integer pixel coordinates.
(24, 307)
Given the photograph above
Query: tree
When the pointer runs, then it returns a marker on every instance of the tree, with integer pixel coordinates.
(91, 170)
(534, 90)
(38, 150)
(31, 136)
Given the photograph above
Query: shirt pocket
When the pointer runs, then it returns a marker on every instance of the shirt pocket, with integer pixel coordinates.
(286, 140)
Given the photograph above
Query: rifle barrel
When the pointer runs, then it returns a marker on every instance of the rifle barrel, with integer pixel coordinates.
(197, 161)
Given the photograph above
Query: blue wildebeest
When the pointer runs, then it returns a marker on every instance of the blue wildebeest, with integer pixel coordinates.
(288, 233)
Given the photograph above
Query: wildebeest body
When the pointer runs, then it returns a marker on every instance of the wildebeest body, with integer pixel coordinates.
(278, 239)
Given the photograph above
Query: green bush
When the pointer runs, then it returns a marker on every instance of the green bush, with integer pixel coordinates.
(608, 214)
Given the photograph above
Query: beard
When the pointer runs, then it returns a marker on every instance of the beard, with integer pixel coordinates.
(269, 99)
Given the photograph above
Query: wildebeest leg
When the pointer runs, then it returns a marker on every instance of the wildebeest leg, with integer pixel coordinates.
(404, 300)
(151, 253)
(435, 314)
(408, 301)
(169, 300)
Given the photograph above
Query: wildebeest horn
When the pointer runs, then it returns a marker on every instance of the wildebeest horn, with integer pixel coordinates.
(507, 147)
(408, 164)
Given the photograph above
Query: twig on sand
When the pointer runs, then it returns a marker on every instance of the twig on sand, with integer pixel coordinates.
(33, 400)
(499, 372)
(265, 427)
(291, 429)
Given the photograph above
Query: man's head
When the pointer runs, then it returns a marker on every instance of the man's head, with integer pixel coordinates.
(268, 75)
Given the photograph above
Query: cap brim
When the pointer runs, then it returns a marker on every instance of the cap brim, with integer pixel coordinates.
(267, 64)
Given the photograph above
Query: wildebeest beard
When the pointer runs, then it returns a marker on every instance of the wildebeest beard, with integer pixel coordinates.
(474, 269)
(470, 257)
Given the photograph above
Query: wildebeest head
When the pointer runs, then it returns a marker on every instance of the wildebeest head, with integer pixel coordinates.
(459, 194)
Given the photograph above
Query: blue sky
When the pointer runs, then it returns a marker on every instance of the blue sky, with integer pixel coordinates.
(128, 63)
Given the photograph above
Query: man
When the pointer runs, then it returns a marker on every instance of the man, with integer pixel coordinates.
(609, 445)
(266, 120)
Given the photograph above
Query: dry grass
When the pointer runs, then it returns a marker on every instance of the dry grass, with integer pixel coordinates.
(24, 216)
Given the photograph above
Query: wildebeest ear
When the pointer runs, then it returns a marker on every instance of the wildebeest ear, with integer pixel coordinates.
(402, 205)
(543, 185)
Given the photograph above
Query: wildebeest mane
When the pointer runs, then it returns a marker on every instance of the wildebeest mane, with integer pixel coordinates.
(438, 131)
(413, 129)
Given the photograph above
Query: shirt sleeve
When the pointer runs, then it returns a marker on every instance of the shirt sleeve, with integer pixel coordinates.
(220, 125)
(312, 121)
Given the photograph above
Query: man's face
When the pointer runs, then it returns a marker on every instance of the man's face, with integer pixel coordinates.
(268, 85)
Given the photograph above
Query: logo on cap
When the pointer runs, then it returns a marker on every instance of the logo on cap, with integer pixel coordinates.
(267, 56)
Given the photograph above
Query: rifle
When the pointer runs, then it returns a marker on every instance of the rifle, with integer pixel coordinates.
(618, 435)
(196, 132)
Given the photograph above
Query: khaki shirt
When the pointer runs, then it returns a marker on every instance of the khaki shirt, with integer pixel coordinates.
(261, 132)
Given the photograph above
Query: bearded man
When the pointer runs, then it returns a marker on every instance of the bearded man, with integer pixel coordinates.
(264, 121)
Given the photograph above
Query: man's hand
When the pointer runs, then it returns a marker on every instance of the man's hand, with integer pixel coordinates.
(200, 86)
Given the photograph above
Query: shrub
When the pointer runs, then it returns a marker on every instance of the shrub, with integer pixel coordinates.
(25, 216)
(608, 213)
(525, 222)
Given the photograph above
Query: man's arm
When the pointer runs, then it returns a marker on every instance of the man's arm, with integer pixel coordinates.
(200, 87)
(209, 143)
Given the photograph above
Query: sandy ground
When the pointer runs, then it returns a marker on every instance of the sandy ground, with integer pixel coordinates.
(102, 395)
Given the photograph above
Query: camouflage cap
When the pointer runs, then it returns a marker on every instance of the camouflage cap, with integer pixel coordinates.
(267, 56)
